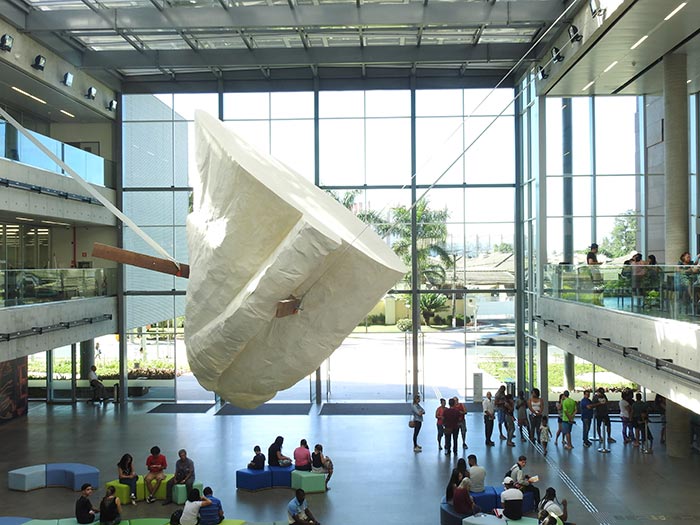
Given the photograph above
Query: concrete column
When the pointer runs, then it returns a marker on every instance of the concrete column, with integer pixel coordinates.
(677, 430)
(87, 357)
(543, 372)
(675, 131)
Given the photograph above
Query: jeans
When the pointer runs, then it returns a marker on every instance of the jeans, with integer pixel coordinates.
(440, 433)
(416, 431)
(488, 428)
(451, 436)
(586, 428)
(463, 430)
(170, 487)
(131, 482)
(535, 423)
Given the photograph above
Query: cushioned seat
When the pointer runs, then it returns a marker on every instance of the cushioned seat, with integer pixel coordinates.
(27, 478)
(42, 522)
(120, 490)
(149, 521)
(487, 500)
(282, 476)
(71, 475)
(13, 520)
(308, 481)
(180, 491)
(448, 514)
(70, 521)
(522, 521)
(248, 479)
(232, 522)
(483, 519)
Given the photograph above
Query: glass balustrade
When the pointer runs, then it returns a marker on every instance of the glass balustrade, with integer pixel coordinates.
(32, 286)
(92, 168)
(671, 292)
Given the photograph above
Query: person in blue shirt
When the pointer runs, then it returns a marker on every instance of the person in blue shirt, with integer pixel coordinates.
(298, 511)
(586, 416)
(211, 514)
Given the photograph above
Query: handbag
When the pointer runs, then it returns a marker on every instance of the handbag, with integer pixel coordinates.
(411, 423)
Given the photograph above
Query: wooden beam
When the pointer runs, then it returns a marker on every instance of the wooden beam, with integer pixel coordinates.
(157, 264)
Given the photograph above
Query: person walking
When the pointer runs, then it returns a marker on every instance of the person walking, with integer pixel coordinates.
(417, 414)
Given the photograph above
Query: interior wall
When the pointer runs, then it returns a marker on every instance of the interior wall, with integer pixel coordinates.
(655, 190)
(85, 237)
(86, 132)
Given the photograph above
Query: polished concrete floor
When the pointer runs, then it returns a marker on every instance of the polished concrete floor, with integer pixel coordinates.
(378, 478)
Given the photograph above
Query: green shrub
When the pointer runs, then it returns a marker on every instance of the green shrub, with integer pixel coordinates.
(439, 320)
(405, 325)
(376, 319)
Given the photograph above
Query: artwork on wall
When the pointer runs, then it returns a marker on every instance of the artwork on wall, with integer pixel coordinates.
(14, 392)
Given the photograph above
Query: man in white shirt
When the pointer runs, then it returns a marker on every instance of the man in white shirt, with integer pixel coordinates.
(477, 475)
(96, 384)
(489, 415)
(512, 500)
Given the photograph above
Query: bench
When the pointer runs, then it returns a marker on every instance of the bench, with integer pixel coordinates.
(71, 475)
(27, 478)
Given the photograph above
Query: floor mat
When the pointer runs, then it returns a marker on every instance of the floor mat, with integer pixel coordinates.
(181, 408)
(267, 409)
(366, 409)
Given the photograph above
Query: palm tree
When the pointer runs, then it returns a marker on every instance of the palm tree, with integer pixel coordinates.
(431, 235)
(371, 217)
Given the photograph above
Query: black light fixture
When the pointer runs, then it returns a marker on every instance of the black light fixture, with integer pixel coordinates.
(39, 62)
(91, 93)
(542, 73)
(556, 55)
(68, 79)
(6, 42)
(574, 35)
(112, 106)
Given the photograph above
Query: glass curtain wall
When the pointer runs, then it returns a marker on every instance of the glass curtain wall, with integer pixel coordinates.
(465, 233)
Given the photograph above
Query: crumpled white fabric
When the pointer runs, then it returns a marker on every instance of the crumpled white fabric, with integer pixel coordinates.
(258, 233)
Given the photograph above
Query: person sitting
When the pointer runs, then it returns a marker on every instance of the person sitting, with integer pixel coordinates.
(98, 388)
(302, 457)
(477, 475)
(298, 510)
(522, 480)
(156, 464)
(127, 476)
(545, 518)
(84, 511)
(551, 505)
(258, 461)
(455, 479)
(321, 464)
(211, 514)
(462, 501)
(110, 508)
(194, 503)
(275, 458)
(184, 475)
(512, 500)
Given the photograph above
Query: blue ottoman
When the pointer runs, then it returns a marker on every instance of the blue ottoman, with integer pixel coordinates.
(448, 515)
(27, 478)
(13, 520)
(248, 479)
(282, 476)
(71, 475)
(486, 500)
(528, 499)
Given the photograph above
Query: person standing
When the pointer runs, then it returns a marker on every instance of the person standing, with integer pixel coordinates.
(521, 410)
(184, 475)
(600, 403)
(568, 412)
(626, 416)
(499, 400)
(451, 420)
(156, 464)
(586, 416)
(439, 411)
(110, 508)
(462, 428)
(509, 416)
(489, 409)
(211, 514)
(84, 511)
(534, 405)
(417, 413)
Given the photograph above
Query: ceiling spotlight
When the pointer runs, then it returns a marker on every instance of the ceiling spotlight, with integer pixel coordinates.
(574, 35)
(542, 73)
(6, 42)
(91, 93)
(112, 106)
(39, 62)
(68, 79)
(595, 7)
(556, 55)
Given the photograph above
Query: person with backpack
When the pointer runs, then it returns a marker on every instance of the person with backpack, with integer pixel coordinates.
(522, 480)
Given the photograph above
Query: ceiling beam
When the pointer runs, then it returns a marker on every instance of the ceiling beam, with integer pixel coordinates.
(244, 58)
(136, 19)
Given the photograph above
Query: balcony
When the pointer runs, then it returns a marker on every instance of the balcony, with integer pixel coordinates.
(93, 168)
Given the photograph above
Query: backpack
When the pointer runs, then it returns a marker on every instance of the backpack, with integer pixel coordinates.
(175, 517)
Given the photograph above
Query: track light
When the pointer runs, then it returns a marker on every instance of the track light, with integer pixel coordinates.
(595, 7)
(112, 106)
(556, 55)
(542, 73)
(91, 93)
(39, 62)
(6, 42)
(68, 79)
(574, 35)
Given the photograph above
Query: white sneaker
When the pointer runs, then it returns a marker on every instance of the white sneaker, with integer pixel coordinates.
(417, 449)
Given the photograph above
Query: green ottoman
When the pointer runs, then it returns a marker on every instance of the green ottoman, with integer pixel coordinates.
(232, 522)
(122, 491)
(150, 521)
(180, 491)
(141, 491)
(308, 481)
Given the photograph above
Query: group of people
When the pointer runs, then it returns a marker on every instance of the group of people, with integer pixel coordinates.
(314, 461)
(451, 423)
